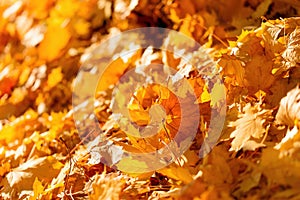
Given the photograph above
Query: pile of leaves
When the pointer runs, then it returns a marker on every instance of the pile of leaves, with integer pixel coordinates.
(255, 44)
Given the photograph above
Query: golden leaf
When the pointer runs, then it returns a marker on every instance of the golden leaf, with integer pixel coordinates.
(177, 173)
(233, 70)
(24, 176)
(258, 73)
(249, 124)
(55, 40)
(15, 129)
(38, 189)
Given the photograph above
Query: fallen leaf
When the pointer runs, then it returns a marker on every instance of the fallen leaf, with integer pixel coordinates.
(55, 40)
(24, 176)
(177, 173)
(107, 186)
(249, 124)
(54, 77)
(38, 189)
(289, 110)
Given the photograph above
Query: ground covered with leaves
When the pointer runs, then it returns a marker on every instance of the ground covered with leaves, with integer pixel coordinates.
(255, 44)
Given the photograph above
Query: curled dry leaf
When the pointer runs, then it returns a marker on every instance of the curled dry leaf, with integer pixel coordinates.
(289, 110)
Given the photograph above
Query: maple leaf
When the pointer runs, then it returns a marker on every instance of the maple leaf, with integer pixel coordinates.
(280, 40)
(23, 177)
(232, 69)
(257, 65)
(250, 123)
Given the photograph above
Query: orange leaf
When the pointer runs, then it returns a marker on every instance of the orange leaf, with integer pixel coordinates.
(55, 40)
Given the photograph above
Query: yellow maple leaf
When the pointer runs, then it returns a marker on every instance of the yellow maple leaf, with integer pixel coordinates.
(249, 124)
(205, 96)
(24, 176)
(218, 94)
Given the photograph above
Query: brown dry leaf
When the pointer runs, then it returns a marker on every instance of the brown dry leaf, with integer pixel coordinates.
(250, 124)
(289, 110)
